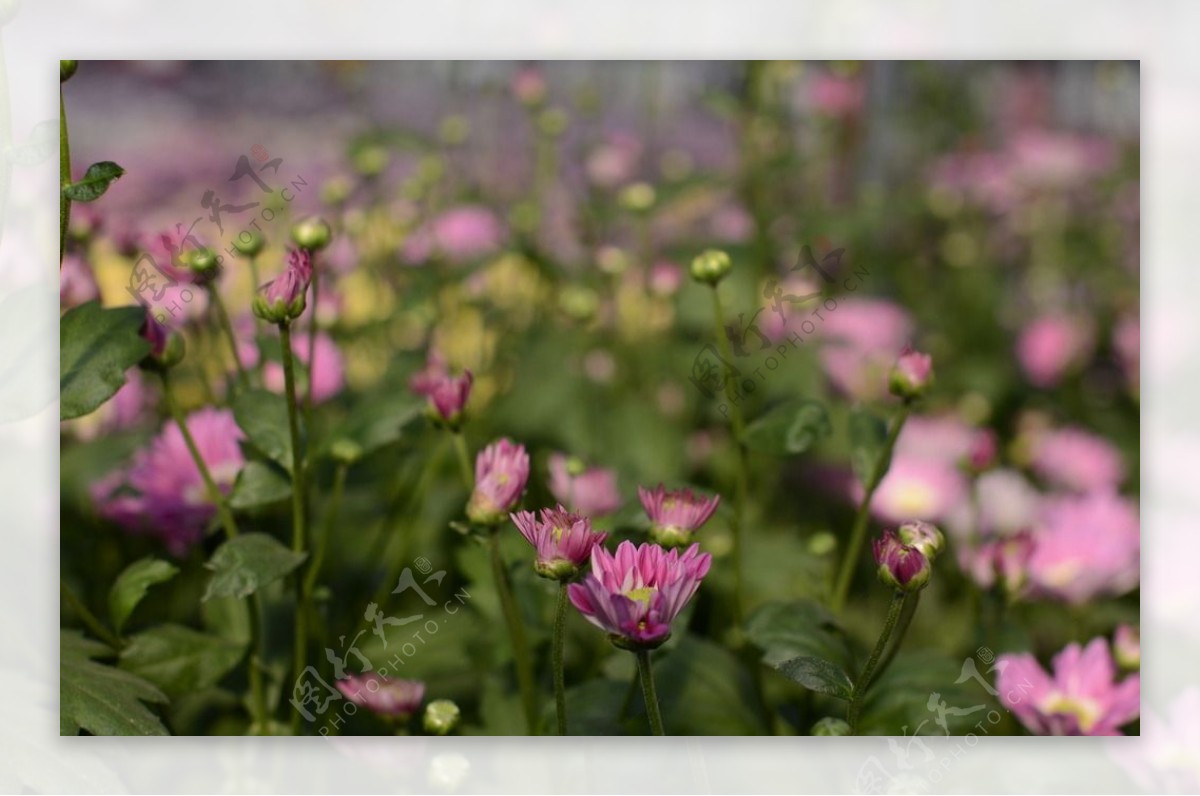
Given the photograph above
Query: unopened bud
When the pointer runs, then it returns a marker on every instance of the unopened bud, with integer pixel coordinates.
(923, 536)
(311, 234)
(711, 266)
(911, 375)
(441, 717)
(903, 567)
(831, 726)
(249, 243)
(66, 69)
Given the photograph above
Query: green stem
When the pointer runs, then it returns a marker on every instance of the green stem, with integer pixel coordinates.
(322, 540)
(516, 633)
(646, 675)
(299, 533)
(210, 485)
(231, 532)
(560, 682)
(89, 620)
(859, 531)
(864, 680)
(227, 327)
(312, 339)
(464, 460)
(911, 601)
(740, 483)
(64, 174)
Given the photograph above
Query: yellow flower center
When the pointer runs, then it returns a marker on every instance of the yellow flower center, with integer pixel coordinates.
(642, 594)
(1085, 711)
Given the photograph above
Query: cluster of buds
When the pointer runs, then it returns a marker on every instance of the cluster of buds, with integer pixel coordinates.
(905, 556)
(912, 375)
(282, 300)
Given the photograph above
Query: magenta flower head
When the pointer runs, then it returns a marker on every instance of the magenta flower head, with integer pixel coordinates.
(587, 490)
(387, 697)
(501, 472)
(1082, 697)
(911, 375)
(162, 493)
(447, 393)
(563, 540)
(924, 536)
(900, 565)
(283, 299)
(636, 594)
(674, 516)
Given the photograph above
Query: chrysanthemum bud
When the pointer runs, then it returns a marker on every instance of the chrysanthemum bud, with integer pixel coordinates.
(345, 451)
(311, 234)
(901, 566)
(922, 535)
(202, 262)
(638, 197)
(911, 375)
(831, 726)
(283, 299)
(370, 160)
(1127, 647)
(249, 243)
(441, 717)
(711, 266)
(336, 191)
(166, 346)
(66, 69)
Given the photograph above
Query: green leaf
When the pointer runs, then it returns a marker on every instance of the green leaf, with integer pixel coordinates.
(96, 347)
(799, 628)
(260, 484)
(95, 182)
(705, 690)
(245, 564)
(898, 702)
(818, 674)
(102, 699)
(227, 617)
(131, 586)
(788, 429)
(263, 416)
(868, 435)
(180, 660)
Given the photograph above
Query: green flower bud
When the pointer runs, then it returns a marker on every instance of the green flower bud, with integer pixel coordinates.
(249, 243)
(831, 726)
(441, 717)
(312, 234)
(204, 263)
(345, 451)
(638, 197)
(336, 191)
(557, 569)
(370, 160)
(711, 266)
(923, 536)
(66, 69)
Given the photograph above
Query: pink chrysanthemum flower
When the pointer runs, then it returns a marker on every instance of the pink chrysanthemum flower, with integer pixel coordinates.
(635, 594)
(501, 472)
(447, 393)
(587, 490)
(563, 540)
(918, 489)
(162, 493)
(1085, 547)
(385, 696)
(1051, 346)
(1082, 697)
(675, 515)
(284, 298)
(460, 234)
(1077, 460)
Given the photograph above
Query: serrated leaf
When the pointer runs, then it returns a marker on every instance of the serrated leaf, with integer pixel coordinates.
(102, 699)
(868, 435)
(245, 564)
(131, 586)
(263, 416)
(260, 484)
(798, 628)
(818, 674)
(180, 660)
(96, 347)
(96, 180)
(790, 428)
